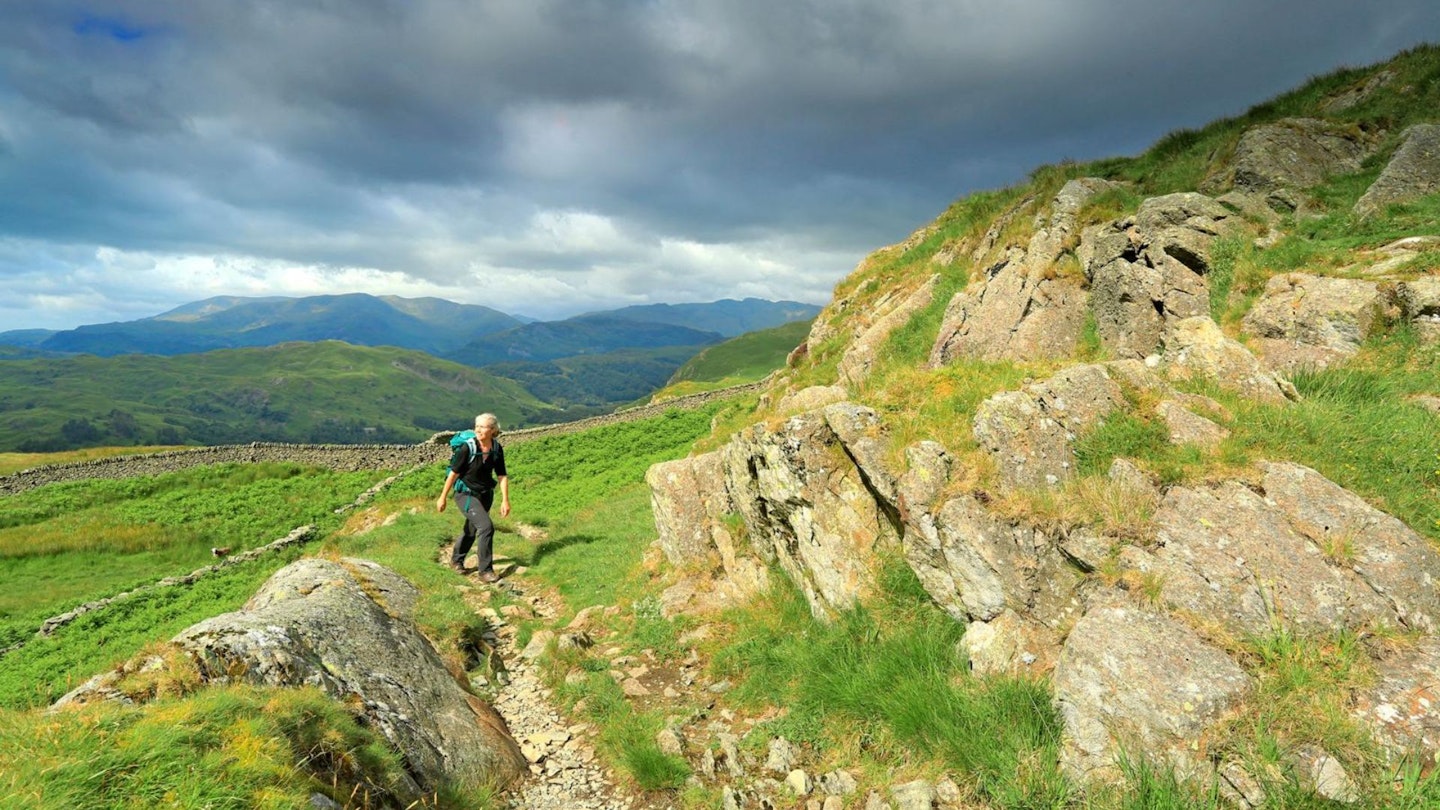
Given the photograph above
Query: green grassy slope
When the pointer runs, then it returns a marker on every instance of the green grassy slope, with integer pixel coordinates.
(746, 358)
(597, 383)
(299, 392)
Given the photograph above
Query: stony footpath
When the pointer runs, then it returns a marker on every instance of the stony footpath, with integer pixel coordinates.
(566, 772)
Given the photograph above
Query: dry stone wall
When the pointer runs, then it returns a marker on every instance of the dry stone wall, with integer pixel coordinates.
(339, 457)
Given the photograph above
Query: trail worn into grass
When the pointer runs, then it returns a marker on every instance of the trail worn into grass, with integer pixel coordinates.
(565, 772)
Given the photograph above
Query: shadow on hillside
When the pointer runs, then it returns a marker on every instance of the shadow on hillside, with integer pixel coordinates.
(553, 545)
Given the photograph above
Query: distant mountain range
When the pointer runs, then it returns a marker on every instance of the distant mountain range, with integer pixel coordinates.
(475, 335)
(430, 325)
(174, 378)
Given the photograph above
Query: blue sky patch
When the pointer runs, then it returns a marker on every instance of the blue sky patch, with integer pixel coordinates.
(110, 27)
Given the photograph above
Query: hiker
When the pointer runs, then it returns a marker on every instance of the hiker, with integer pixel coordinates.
(475, 468)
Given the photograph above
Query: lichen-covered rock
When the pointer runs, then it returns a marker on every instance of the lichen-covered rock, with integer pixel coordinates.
(927, 473)
(1402, 707)
(1307, 556)
(807, 507)
(694, 518)
(1196, 348)
(346, 628)
(1329, 316)
(1412, 173)
(1031, 433)
(1019, 312)
(1297, 153)
(1150, 271)
(1025, 307)
(684, 494)
(1393, 559)
(1011, 645)
(1138, 681)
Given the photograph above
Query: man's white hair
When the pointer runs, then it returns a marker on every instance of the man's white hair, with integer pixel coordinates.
(487, 419)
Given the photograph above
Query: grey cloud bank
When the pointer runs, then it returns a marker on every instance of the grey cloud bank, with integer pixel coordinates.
(556, 156)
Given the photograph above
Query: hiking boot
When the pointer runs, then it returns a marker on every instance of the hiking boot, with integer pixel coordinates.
(489, 576)
(458, 566)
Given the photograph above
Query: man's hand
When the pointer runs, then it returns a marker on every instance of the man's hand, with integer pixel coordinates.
(504, 509)
(440, 504)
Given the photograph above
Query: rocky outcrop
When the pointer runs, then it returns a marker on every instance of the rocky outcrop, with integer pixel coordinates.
(1412, 173)
(346, 627)
(1031, 433)
(1023, 307)
(887, 316)
(1138, 682)
(1144, 668)
(1197, 349)
(1297, 153)
(808, 507)
(701, 535)
(1149, 272)
(1312, 321)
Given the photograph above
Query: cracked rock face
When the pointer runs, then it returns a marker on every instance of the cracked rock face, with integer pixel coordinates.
(1149, 272)
(1138, 681)
(346, 628)
(1413, 172)
(808, 505)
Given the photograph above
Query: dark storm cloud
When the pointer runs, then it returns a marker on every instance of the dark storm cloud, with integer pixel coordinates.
(572, 148)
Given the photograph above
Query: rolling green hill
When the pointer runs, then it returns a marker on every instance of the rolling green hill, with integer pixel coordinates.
(588, 384)
(588, 334)
(746, 358)
(298, 392)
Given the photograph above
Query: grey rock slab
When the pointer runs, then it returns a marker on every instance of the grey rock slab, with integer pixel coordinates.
(1402, 567)
(345, 627)
(1140, 681)
(1296, 153)
(1402, 707)
(808, 507)
(1413, 172)
(1031, 433)
(1329, 313)
(1230, 555)
(1196, 348)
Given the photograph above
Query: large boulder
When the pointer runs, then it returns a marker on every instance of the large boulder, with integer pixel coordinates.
(1149, 272)
(809, 508)
(1136, 682)
(1412, 173)
(697, 527)
(1304, 320)
(346, 627)
(1297, 153)
(1031, 433)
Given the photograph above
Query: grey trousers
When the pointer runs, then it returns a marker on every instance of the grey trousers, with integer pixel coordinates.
(479, 530)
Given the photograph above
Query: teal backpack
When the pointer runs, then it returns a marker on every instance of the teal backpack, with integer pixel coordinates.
(464, 438)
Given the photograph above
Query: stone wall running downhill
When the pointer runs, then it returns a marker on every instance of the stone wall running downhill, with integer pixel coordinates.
(339, 457)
